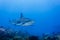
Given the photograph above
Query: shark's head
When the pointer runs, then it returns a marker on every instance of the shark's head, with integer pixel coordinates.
(29, 23)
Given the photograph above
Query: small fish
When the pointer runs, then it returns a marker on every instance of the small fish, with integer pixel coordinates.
(22, 21)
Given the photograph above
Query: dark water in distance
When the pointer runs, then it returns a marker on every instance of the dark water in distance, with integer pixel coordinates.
(45, 13)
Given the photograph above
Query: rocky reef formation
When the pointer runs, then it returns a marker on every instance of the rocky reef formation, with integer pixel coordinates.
(7, 34)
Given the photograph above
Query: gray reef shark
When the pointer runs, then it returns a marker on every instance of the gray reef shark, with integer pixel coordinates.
(22, 21)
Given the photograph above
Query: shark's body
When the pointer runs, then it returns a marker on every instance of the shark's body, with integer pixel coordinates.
(22, 21)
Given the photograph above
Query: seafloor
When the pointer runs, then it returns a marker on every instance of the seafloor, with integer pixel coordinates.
(8, 34)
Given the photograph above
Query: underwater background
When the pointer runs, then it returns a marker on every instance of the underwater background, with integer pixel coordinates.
(45, 13)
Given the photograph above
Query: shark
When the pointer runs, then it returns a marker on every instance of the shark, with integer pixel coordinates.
(22, 21)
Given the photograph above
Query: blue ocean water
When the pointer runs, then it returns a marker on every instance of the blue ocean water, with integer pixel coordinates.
(45, 13)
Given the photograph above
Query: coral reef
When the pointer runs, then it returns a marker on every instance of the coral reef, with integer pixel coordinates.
(33, 38)
(8, 34)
